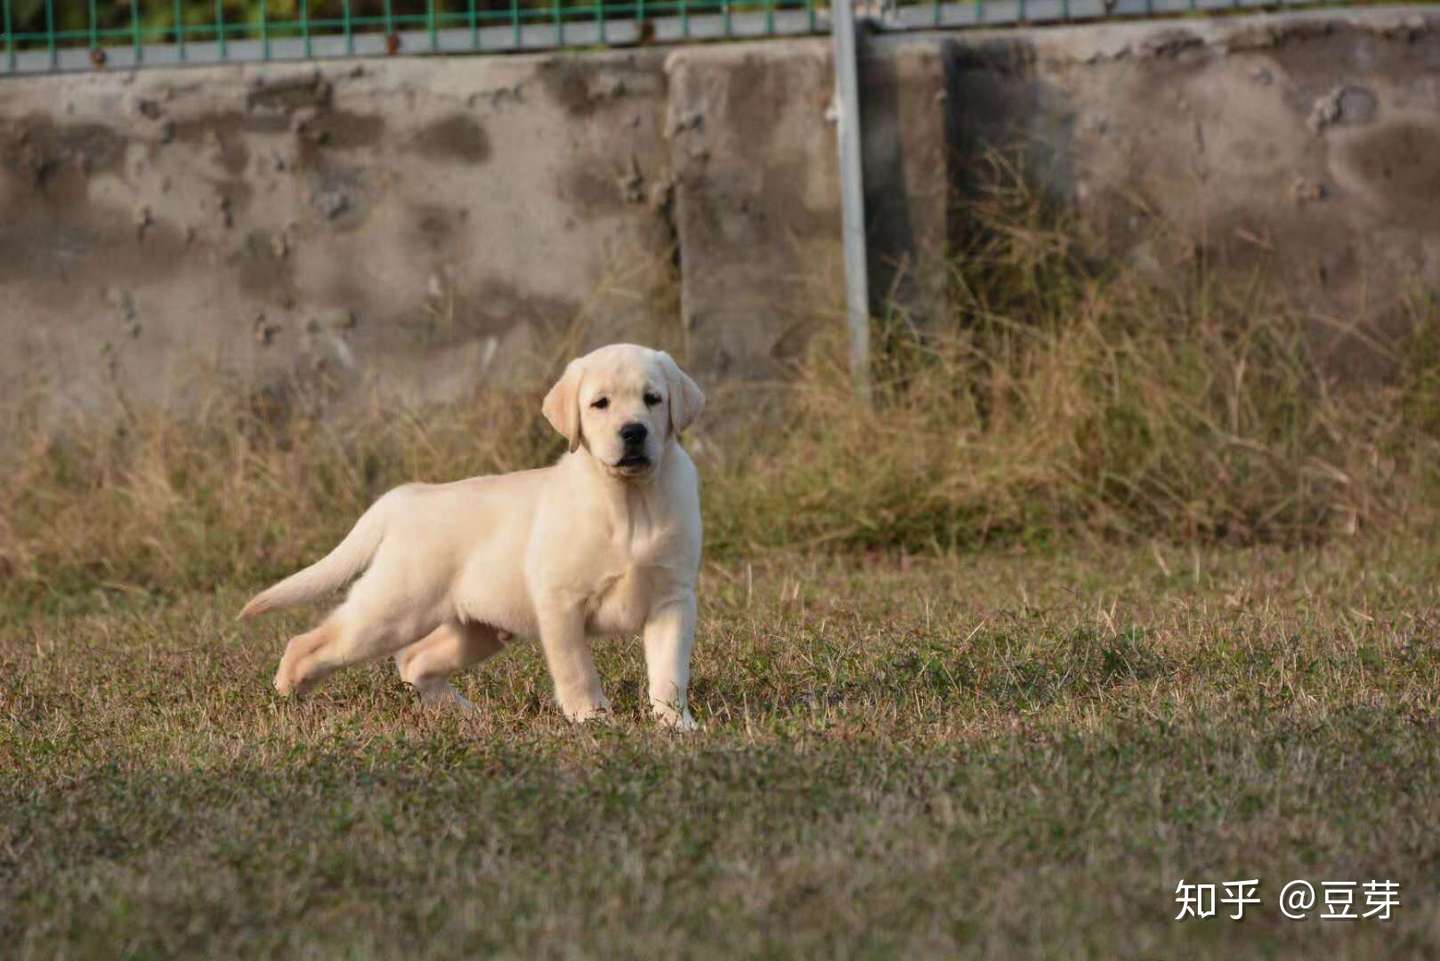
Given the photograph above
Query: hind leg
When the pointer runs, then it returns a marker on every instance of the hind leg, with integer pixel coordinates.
(427, 664)
(348, 636)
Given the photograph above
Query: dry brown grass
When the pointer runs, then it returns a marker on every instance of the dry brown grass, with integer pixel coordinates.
(1057, 402)
(1062, 399)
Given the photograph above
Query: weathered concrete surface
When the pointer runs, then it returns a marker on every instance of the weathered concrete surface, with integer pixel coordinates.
(410, 225)
(1304, 148)
(756, 210)
(420, 226)
(911, 168)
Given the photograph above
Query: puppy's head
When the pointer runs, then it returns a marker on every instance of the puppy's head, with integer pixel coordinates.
(622, 403)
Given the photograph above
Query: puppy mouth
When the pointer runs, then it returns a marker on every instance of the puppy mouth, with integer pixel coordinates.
(633, 463)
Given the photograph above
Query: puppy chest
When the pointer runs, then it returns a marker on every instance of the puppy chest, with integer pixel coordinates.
(621, 605)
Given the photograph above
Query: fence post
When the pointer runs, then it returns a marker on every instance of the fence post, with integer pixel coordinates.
(9, 39)
(852, 192)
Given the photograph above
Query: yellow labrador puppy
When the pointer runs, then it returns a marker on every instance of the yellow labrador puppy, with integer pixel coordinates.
(605, 542)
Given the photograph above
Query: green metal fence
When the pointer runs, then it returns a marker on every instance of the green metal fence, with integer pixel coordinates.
(53, 35)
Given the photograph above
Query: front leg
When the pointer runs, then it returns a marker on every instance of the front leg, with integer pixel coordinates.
(572, 666)
(669, 637)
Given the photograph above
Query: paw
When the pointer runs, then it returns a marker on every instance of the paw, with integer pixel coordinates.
(679, 720)
(290, 682)
(588, 711)
(285, 680)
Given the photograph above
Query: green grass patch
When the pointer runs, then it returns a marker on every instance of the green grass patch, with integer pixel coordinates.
(1001, 756)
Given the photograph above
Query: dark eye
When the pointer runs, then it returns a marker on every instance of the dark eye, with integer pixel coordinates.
(601, 404)
(651, 399)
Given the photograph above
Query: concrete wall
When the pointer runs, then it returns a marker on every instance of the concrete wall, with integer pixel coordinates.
(407, 224)
(419, 226)
(1304, 148)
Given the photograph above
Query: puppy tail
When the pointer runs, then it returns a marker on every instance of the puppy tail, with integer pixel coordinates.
(334, 570)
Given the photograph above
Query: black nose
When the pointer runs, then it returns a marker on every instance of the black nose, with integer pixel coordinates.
(633, 434)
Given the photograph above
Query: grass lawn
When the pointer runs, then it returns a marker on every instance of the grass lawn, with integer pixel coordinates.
(998, 754)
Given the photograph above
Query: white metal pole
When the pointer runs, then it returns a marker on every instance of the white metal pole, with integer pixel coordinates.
(852, 192)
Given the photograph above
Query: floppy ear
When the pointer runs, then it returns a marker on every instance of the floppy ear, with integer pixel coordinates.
(562, 404)
(686, 400)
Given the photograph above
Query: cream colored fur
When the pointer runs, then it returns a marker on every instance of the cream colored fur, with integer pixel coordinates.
(605, 542)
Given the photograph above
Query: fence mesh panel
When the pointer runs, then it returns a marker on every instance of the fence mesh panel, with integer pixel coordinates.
(51, 35)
